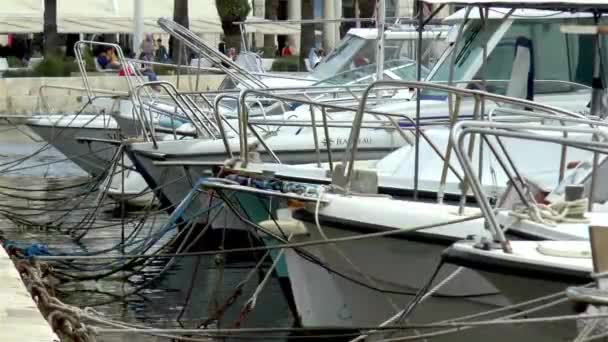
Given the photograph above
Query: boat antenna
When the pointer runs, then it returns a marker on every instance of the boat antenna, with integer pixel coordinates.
(380, 15)
(598, 107)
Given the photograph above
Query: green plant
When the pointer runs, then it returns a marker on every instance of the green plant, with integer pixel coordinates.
(14, 62)
(291, 64)
(232, 10)
(55, 66)
(164, 70)
(269, 52)
(18, 73)
(89, 60)
(50, 66)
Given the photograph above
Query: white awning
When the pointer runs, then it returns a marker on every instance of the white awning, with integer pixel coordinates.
(103, 16)
(265, 26)
(540, 4)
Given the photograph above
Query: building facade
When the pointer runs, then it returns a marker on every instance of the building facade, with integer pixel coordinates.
(331, 33)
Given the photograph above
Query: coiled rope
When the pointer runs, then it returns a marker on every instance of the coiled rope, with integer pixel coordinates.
(559, 212)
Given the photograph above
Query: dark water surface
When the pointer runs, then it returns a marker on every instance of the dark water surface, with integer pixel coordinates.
(202, 282)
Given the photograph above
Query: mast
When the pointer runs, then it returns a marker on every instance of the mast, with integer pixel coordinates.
(138, 24)
(380, 15)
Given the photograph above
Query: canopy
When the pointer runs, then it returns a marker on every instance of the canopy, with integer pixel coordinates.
(265, 26)
(498, 13)
(578, 5)
(102, 16)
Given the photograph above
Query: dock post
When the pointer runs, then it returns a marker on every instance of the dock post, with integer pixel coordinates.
(598, 236)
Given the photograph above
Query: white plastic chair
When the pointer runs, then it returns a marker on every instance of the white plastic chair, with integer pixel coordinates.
(3, 65)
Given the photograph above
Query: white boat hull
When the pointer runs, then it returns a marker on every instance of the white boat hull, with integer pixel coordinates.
(521, 279)
(411, 266)
(93, 157)
(131, 190)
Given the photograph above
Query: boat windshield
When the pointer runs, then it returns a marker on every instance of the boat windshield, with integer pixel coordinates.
(400, 69)
(561, 61)
(354, 52)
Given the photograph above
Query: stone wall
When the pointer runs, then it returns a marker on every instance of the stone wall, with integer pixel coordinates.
(20, 96)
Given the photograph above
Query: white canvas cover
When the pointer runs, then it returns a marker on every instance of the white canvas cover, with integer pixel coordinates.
(540, 4)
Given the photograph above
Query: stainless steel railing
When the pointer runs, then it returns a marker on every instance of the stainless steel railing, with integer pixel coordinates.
(521, 131)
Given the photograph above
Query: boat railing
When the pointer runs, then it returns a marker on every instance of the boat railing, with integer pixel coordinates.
(182, 106)
(480, 83)
(282, 97)
(79, 48)
(44, 105)
(198, 107)
(246, 125)
(194, 42)
(533, 113)
(132, 74)
(598, 145)
(457, 94)
(189, 68)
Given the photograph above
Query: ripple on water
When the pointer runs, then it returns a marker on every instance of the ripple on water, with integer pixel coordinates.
(29, 192)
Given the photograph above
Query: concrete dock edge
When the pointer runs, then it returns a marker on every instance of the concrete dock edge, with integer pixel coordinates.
(20, 319)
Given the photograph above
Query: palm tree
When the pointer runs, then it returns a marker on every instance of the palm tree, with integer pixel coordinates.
(270, 12)
(180, 16)
(231, 11)
(307, 33)
(366, 10)
(50, 43)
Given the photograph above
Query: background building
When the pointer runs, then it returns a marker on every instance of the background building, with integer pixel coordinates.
(328, 34)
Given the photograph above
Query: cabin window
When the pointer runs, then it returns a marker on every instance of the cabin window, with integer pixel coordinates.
(557, 56)
(469, 51)
(550, 57)
(339, 58)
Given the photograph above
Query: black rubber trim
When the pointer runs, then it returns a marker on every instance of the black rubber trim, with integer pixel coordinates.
(513, 268)
(164, 200)
(515, 234)
(147, 154)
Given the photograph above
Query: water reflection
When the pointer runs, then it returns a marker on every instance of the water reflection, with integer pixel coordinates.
(188, 294)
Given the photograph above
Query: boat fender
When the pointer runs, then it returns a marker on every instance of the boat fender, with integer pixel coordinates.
(287, 227)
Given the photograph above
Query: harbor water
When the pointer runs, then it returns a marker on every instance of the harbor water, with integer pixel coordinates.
(185, 295)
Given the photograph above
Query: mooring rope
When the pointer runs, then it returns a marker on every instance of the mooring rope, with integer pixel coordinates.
(552, 214)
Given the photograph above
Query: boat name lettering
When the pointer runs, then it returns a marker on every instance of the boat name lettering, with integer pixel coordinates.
(343, 141)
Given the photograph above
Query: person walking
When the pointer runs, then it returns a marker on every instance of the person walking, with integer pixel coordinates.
(287, 51)
(147, 48)
(221, 46)
(161, 51)
(232, 54)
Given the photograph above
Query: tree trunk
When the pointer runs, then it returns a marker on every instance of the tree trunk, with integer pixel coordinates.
(232, 35)
(231, 11)
(50, 27)
(366, 10)
(271, 13)
(307, 33)
(180, 16)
